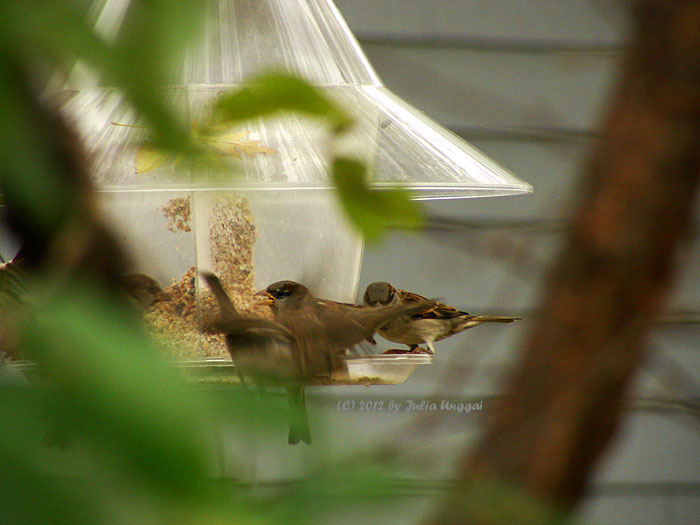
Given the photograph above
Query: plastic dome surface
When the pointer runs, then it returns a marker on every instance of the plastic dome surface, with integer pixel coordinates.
(242, 38)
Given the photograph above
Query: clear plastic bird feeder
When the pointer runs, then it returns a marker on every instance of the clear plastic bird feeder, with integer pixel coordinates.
(276, 217)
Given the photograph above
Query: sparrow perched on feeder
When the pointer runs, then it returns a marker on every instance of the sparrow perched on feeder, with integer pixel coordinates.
(324, 328)
(434, 322)
(143, 290)
(267, 352)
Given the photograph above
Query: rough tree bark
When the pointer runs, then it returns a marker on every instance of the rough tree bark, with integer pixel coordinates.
(561, 407)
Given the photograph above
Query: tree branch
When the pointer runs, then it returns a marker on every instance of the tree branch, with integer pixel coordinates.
(636, 198)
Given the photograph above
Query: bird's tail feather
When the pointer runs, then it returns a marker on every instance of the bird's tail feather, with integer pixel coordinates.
(298, 422)
(493, 319)
(228, 310)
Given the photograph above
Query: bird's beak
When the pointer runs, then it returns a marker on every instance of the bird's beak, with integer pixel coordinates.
(163, 296)
(264, 298)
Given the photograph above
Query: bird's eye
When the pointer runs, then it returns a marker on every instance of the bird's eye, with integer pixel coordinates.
(283, 292)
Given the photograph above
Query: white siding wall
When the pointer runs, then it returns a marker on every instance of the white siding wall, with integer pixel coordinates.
(527, 83)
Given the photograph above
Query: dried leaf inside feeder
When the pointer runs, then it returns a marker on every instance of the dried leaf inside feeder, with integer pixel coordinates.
(149, 158)
(232, 143)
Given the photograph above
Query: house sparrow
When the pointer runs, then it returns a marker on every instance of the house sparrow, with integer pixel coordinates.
(434, 322)
(143, 290)
(267, 352)
(324, 328)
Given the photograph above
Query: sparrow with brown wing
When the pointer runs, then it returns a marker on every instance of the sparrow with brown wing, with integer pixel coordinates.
(434, 322)
(324, 329)
(267, 352)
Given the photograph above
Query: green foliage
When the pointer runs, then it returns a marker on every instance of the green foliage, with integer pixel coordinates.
(138, 434)
(274, 92)
(107, 391)
(109, 376)
(372, 211)
(24, 139)
(139, 59)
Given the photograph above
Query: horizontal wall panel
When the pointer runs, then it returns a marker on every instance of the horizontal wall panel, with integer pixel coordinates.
(459, 87)
(590, 22)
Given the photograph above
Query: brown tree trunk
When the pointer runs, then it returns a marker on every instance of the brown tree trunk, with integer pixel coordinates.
(561, 407)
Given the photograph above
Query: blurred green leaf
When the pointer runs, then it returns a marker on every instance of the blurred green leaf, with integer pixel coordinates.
(372, 211)
(110, 378)
(354, 486)
(29, 139)
(29, 493)
(29, 30)
(149, 48)
(140, 429)
(274, 92)
(140, 60)
(153, 35)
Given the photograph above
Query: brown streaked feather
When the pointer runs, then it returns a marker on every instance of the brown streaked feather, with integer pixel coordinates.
(494, 319)
(435, 310)
(440, 311)
(410, 297)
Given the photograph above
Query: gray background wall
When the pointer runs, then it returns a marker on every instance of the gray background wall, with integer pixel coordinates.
(527, 83)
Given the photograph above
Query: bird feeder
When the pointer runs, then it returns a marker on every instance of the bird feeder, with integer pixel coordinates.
(275, 216)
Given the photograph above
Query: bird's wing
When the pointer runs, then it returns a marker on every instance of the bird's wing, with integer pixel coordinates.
(346, 330)
(410, 297)
(433, 309)
(440, 311)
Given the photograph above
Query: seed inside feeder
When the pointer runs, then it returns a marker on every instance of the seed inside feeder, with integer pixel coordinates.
(176, 324)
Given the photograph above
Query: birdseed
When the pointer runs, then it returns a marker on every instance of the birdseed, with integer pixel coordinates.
(178, 325)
